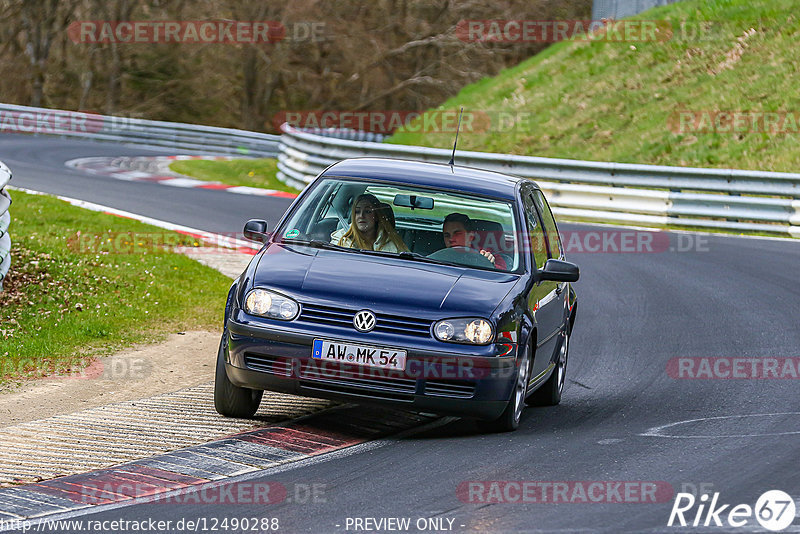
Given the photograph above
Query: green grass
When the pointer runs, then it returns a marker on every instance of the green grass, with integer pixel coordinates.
(618, 101)
(70, 297)
(249, 172)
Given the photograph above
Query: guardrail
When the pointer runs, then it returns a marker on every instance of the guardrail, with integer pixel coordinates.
(650, 195)
(188, 138)
(5, 221)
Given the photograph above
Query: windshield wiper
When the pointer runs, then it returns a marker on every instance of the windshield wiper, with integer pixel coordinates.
(406, 255)
(316, 243)
(419, 257)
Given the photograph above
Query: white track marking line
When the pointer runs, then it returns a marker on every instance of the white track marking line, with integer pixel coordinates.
(210, 237)
(656, 431)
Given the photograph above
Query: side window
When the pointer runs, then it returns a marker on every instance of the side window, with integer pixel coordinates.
(553, 239)
(534, 231)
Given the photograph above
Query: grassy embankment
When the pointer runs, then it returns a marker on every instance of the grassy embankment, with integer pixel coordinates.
(72, 296)
(619, 101)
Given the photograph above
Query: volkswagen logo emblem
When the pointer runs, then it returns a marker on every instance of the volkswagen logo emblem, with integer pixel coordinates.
(364, 321)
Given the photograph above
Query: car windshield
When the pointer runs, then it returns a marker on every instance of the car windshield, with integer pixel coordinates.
(412, 223)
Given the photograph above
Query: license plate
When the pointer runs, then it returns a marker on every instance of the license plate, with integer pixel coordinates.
(359, 354)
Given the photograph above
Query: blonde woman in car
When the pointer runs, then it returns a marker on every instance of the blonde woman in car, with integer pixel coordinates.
(371, 227)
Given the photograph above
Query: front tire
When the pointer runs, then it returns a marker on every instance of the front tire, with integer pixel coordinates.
(231, 400)
(550, 392)
(509, 419)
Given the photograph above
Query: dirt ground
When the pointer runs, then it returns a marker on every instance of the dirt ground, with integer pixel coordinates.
(183, 360)
(142, 371)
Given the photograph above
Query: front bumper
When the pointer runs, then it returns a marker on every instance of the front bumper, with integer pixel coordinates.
(464, 380)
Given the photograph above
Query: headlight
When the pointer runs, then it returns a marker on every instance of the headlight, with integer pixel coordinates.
(469, 330)
(270, 304)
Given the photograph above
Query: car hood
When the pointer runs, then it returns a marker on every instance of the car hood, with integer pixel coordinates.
(358, 280)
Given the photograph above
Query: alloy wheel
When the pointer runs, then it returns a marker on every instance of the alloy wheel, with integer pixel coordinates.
(562, 362)
(521, 386)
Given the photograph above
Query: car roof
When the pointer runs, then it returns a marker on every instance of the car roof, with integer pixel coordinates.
(405, 172)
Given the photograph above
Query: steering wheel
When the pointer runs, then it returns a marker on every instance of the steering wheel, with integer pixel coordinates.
(463, 256)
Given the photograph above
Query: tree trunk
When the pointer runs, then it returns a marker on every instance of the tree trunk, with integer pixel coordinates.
(42, 20)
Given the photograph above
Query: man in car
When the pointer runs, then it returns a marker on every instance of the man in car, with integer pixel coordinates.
(458, 231)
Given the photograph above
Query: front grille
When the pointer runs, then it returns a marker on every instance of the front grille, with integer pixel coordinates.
(450, 388)
(387, 324)
(326, 315)
(359, 391)
(363, 379)
(268, 364)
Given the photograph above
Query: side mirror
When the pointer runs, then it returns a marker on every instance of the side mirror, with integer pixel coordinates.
(256, 230)
(559, 271)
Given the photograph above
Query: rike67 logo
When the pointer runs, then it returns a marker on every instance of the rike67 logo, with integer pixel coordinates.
(774, 510)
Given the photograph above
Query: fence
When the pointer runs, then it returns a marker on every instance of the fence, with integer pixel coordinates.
(617, 9)
(651, 195)
(5, 221)
(188, 138)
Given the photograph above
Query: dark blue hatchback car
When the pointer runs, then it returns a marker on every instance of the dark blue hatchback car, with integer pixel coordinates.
(429, 287)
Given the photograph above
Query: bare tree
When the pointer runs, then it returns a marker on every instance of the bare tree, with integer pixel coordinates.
(403, 55)
(114, 10)
(262, 65)
(41, 22)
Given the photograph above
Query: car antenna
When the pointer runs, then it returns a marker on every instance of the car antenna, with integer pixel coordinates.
(453, 156)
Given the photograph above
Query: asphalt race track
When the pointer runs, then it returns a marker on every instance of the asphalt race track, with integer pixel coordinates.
(38, 164)
(724, 297)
